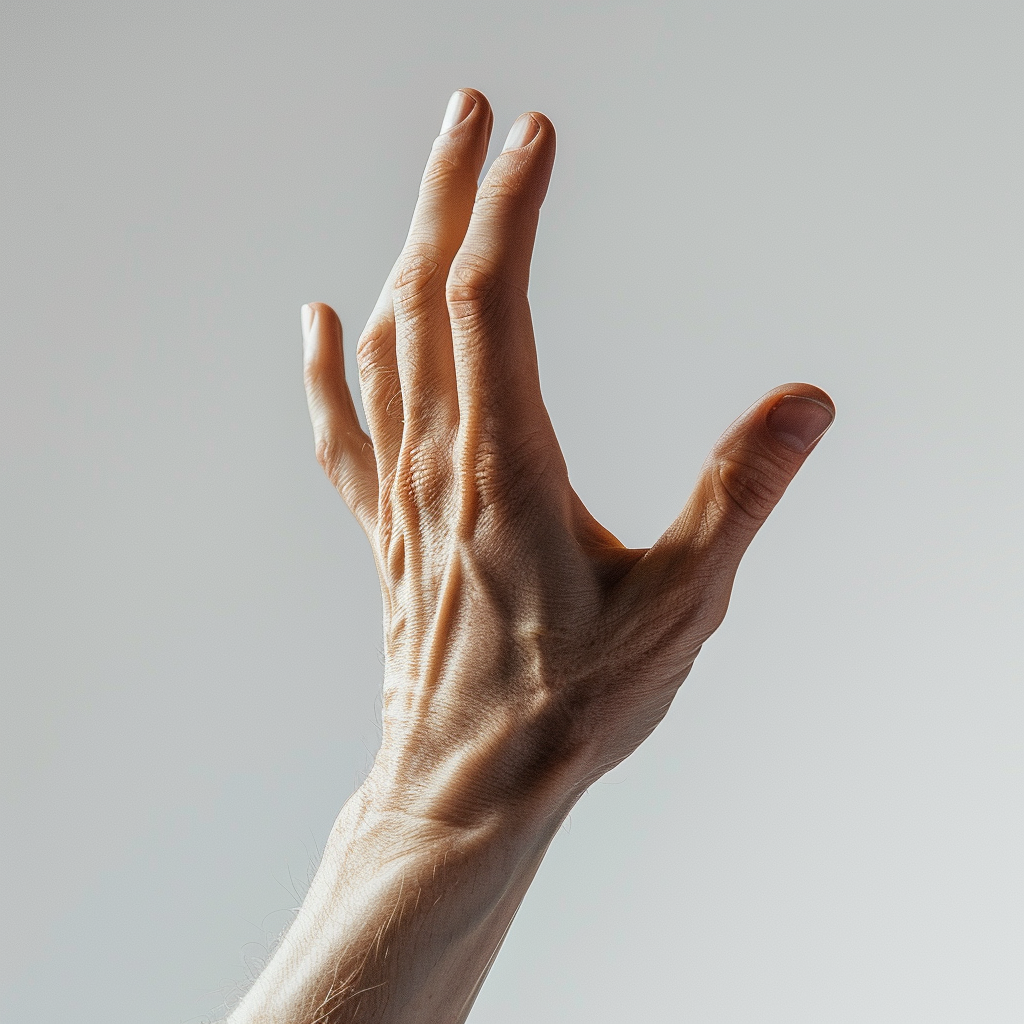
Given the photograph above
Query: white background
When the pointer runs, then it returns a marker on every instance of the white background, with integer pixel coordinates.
(827, 826)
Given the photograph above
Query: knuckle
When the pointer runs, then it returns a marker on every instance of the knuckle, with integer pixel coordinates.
(416, 276)
(374, 346)
(501, 191)
(325, 453)
(472, 285)
(331, 456)
(442, 169)
(487, 474)
(750, 487)
(336, 460)
(423, 478)
(503, 475)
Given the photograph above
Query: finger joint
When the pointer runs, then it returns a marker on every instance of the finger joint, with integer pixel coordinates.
(745, 487)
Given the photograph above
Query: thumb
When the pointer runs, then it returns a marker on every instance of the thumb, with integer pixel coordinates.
(750, 467)
(694, 562)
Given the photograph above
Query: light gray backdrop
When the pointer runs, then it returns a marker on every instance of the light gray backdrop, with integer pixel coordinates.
(826, 828)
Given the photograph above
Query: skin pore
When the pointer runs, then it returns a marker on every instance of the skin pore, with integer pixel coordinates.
(527, 651)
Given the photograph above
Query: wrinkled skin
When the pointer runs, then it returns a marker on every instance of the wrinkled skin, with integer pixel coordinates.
(527, 650)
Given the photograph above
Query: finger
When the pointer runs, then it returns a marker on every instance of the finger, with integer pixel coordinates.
(344, 451)
(379, 384)
(693, 564)
(495, 353)
(426, 366)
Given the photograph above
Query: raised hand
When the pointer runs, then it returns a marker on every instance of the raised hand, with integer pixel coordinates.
(527, 650)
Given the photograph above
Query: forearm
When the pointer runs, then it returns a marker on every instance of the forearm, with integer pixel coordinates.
(403, 918)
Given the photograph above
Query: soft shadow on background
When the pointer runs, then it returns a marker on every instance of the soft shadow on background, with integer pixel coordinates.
(827, 825)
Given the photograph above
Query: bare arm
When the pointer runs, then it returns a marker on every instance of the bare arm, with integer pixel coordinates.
(527, 650)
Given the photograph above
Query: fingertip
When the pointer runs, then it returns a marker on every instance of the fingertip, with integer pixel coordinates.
(465, 107)
(523, 131)
(545, 131)
(314, 311)
(530, 130)
(319, 309)
(546, 128)
(800, 389)
(476, 94)
(318, 318)
(528, 156)
(798, 416)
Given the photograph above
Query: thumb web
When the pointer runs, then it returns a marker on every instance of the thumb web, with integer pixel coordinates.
(694, 562)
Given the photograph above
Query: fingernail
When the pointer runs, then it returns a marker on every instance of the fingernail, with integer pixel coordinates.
(307, 324)
(458, 110)
(798, 422)
(523, 131)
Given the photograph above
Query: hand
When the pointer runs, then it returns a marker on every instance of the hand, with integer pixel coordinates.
(527, 650)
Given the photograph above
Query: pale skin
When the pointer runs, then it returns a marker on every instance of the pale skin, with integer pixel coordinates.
(527, 651)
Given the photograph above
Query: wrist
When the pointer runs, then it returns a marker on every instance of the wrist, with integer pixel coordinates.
(421, 875)
(521, 765)
(402, 812)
